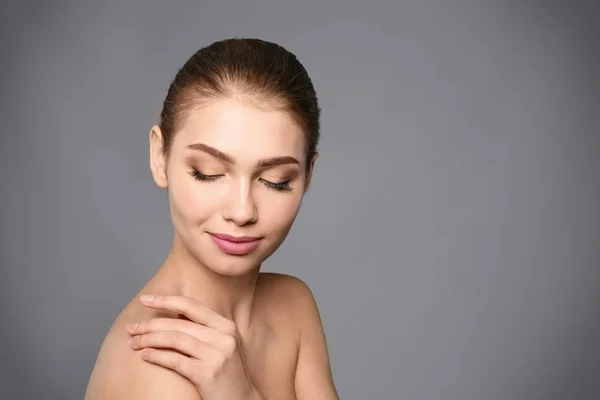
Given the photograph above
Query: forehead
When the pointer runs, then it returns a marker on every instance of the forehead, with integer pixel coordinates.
(246, 132)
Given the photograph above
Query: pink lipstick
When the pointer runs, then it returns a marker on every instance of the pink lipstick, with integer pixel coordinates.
(236, 245)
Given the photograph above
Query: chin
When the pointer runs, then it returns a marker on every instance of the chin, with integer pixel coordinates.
(232, 268)
(232, 265)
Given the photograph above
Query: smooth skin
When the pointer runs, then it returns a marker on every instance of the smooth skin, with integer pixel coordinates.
(209, 325)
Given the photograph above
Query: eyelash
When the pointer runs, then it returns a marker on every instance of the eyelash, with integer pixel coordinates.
(201, 177)
(280, 187)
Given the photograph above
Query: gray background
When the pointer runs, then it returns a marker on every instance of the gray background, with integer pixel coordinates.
(451, 236)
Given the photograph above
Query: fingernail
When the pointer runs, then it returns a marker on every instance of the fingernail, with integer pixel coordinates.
(131, 327)
(146, 298)
(134, 340)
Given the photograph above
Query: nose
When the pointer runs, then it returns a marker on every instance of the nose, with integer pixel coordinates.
(240, 206)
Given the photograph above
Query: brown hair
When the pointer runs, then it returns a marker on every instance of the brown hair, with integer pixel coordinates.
(255, 71)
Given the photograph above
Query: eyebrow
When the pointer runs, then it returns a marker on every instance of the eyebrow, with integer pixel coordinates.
(229, 159)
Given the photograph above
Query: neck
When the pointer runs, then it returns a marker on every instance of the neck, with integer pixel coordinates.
(231, 296)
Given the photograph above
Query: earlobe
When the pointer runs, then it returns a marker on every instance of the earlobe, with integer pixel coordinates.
(157, 158)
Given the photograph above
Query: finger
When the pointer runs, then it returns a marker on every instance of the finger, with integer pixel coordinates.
(201, 332)
(174, 340)
(184, 366)
(192, 309)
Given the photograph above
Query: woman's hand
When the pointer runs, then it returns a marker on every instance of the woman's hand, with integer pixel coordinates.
(205, 350)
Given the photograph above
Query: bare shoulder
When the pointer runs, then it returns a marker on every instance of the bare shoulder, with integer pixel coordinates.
(120, 372)
(275, 283)
(281, 291)
(289, 301)
(292, 299)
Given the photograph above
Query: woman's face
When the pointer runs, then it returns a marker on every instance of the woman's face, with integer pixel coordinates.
(235, 173)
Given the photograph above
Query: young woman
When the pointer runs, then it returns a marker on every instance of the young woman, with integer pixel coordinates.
(235, 148)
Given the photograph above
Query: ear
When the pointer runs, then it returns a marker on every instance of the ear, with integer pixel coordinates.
(157, 157)
(310, 170)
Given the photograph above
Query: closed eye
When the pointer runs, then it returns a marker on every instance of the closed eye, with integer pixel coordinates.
(201, 177)
(279, 186)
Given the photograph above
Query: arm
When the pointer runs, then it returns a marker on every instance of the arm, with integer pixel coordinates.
(313, 379)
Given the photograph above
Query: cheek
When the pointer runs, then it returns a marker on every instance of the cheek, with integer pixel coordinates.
(278, 212)
(191, 201)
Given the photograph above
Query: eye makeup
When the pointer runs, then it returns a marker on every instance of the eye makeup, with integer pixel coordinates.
(202, 177)
(279, 186)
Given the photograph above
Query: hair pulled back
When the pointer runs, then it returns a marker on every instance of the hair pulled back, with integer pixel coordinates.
(257, 72)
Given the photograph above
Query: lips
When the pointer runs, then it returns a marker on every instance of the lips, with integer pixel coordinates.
(236, 245)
